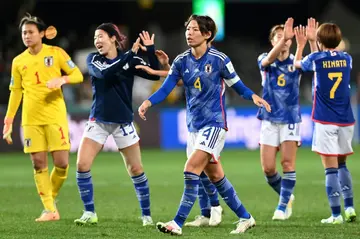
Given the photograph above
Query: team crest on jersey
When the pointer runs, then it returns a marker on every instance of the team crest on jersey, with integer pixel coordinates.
(208, 68)
(27, 142)
(48, 61)
(291, 68)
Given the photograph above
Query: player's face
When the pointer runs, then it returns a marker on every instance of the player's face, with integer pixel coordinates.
(103, 42)
(31, 35)
(278, 36)
(194, 37)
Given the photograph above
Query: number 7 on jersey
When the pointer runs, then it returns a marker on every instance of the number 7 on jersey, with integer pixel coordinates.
(332, 76)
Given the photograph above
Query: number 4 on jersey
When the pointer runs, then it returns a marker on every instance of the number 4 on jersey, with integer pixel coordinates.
(197, 84)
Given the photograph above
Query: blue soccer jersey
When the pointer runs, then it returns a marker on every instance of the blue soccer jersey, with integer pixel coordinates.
(280, 81)
(331, 89)
(204, 82)
(112, 84)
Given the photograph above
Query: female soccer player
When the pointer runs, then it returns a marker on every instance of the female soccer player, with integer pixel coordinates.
(204, 72)
(36, 77)
(280, 128)
(332, 113)
(112, 72)
(211, 210)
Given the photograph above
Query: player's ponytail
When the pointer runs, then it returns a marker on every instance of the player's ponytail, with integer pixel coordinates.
(112, 30)
(50, 32)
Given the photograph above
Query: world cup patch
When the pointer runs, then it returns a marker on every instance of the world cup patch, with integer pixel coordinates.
(48, 61)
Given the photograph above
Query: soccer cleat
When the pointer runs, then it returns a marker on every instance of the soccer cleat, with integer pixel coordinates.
(147, 221)
(199, 221)
(169, 227)
(350, 215)
(243, 225)
(288, 210)
(88, 218)
(279, 215)
(333, 220)
(47, 216)
(215, 216)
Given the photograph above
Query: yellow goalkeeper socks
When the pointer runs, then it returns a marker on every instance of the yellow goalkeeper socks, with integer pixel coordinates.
(43, 185)
(58, 176)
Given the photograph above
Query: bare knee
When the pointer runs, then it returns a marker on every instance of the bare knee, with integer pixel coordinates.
(216, 176)
(135, 169)
(83, 164)
(61, 158)
(39, 161)
(269, 170)
(288, 164)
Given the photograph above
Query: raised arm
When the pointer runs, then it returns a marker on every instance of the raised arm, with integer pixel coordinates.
(301, 42)
(275, 51)
(311, 28)
(150, 49)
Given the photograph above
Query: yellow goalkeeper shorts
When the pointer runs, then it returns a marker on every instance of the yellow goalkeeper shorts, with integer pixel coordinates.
(46, 138)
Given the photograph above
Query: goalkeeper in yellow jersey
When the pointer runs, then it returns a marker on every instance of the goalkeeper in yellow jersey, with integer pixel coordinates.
(36, 78)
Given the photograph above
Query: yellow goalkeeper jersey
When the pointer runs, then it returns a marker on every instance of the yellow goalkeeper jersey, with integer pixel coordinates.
(30, 73)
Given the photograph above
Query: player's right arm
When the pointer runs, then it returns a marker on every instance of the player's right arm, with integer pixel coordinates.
(269, 58)
(102, 72)
(14, 101)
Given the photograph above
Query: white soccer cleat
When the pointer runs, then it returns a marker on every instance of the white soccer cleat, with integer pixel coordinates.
(279, 215)
(288, 210)
(215, 216)
(199, 221)
(243, 225)
(350, 215)
(147, 221)
(169, 227)
(333, 220)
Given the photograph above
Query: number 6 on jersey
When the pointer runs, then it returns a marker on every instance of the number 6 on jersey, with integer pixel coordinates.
(197, 84)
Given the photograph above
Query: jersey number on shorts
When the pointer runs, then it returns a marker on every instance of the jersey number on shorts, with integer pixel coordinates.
(332, 76)
(197, 84)
(62, 133)
(281, 80)
(124, 131)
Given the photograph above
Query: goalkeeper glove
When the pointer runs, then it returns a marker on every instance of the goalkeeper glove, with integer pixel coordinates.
(8, 122)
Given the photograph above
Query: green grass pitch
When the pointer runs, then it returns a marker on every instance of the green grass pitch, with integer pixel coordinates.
(119, 212)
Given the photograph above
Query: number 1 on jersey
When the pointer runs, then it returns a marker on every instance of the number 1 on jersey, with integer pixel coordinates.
(37, 78)
(197, 84)
(331, 76)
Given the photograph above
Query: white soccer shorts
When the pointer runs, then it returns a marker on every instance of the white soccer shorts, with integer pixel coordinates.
(124, 135)
(274, 134)
(208, 139)
(332, 140)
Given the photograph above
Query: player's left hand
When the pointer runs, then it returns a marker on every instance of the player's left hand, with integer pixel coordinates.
(300, 36)
(56, 83)
(146, 39)
(143, 109)
(261, 102)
